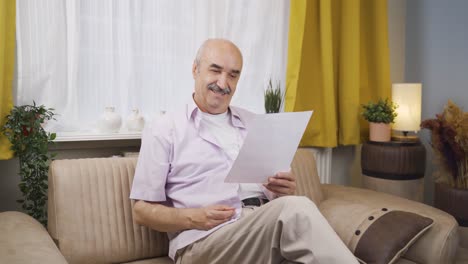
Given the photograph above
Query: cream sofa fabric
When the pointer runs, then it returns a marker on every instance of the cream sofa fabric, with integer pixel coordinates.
(436, 246)
(90, 213)
(24, 240)
(91, 220)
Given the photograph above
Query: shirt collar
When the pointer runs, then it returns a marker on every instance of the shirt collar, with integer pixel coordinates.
(237, 120)
(192, 113)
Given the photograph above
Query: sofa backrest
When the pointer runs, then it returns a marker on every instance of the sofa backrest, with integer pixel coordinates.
(90, 214)
(307, 179)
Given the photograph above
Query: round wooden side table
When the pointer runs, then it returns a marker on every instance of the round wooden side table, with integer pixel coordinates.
(394, 167)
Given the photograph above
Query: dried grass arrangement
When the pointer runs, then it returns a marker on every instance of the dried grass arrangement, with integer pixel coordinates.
(449, 140)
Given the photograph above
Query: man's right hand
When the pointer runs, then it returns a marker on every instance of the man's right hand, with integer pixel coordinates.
(169, 219)
(208, 217)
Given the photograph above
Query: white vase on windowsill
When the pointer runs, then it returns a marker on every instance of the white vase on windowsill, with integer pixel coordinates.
(135, 122)
(110, 121)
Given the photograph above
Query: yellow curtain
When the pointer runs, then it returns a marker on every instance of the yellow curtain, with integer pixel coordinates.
(7, 61)
(337, 60)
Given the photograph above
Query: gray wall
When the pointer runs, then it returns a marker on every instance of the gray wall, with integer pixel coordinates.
(428, 42)
(9, 180)
(437, 56)
(437, 52)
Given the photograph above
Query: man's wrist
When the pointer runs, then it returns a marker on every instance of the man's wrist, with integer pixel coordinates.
(185, 216)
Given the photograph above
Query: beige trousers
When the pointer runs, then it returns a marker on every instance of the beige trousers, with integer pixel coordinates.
(289, 229)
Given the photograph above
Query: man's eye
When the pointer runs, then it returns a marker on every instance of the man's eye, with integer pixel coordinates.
(215, 70)
(233, 76)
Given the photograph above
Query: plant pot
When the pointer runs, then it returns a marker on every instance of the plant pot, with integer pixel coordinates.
(452, 201)
(379, 132)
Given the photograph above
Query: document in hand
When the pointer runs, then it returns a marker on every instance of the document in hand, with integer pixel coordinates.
(269, 146)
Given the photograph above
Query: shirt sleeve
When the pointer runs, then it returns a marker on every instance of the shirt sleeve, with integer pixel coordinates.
(269, 194)
(153, 163)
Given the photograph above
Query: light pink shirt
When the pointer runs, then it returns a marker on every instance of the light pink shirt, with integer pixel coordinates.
(182, 165)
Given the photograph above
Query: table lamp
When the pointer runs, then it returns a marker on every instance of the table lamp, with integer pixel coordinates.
(397, 167)
(407, 97)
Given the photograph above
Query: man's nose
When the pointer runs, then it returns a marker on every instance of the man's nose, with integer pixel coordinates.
(223, 81)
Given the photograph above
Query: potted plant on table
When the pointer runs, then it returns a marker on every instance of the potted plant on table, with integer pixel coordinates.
(449, 140)
(29, 141)
(380, 115)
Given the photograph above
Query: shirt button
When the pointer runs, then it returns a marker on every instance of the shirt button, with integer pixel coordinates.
(371, 218)
(358, 232)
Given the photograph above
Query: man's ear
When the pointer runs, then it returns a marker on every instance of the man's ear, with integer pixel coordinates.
(194, 69)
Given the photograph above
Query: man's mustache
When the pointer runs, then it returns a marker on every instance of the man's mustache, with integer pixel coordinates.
(215, 88)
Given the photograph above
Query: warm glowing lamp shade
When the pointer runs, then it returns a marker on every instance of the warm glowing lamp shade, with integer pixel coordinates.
(407, 97)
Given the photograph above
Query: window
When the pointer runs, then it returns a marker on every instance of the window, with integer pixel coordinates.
(81, 56)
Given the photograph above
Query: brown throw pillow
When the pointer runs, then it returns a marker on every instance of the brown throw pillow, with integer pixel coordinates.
(389, 236)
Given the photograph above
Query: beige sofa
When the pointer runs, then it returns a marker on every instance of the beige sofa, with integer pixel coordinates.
(90, 217)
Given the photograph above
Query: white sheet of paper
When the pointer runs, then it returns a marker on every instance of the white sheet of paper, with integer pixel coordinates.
(269, 146)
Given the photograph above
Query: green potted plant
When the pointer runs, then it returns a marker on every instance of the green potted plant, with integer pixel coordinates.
(29, 142)
(273, 98)
(380, 115)
(449, 141)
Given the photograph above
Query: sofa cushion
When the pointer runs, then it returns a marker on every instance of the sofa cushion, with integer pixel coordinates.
(389, 236)
(163, 260)
(90, 213)
(404, 261)
(439, 243)
(374, 234)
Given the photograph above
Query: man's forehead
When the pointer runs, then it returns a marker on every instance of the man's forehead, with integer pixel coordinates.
(221, 65)
(223, 61)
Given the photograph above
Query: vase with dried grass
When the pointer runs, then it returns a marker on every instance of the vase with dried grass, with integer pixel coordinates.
(449, 140)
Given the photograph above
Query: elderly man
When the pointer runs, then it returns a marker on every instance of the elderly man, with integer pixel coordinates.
(179, 182)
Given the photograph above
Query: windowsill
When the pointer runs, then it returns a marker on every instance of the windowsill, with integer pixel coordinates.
(95, 136)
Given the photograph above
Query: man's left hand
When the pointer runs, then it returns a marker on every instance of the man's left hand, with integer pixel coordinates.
(283, 183)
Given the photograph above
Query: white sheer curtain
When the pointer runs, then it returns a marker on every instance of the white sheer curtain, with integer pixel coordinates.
(79, 56)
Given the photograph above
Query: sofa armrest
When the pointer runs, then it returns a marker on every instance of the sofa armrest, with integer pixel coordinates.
(438, 245)
(24, 240)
